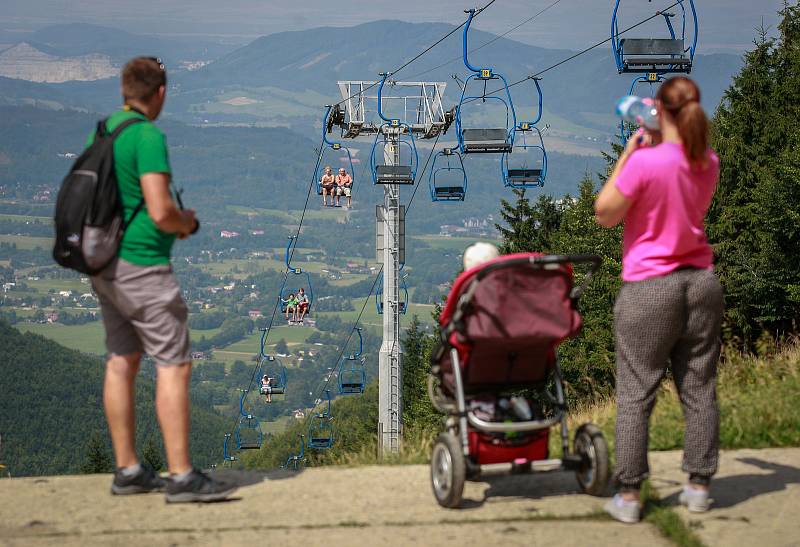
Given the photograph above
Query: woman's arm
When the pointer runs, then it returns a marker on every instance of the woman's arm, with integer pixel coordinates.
(611, 205)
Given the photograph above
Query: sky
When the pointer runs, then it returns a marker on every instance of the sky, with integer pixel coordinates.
(725, 25)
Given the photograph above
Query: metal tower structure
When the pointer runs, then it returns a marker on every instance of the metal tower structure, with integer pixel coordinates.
(416, 110)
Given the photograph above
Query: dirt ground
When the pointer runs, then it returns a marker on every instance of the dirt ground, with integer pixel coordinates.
(757, 502)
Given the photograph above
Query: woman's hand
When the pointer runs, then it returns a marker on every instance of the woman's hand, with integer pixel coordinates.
(640, 139)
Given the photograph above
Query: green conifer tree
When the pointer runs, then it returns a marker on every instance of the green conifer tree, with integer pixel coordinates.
(753, 222)
(98, 459)
(152, 454)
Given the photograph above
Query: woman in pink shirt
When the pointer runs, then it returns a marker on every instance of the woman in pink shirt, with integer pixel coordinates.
(669, 309)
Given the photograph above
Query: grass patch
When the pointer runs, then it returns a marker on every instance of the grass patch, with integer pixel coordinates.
(88, 338)
(668, 522)
(757, 399)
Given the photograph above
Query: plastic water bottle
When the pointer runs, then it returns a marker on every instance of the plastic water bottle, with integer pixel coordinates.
(521, 408)
(639, 111)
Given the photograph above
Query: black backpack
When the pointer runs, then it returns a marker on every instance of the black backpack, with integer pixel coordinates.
(88, 217)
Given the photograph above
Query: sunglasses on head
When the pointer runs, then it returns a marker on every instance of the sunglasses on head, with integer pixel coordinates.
(158, 61)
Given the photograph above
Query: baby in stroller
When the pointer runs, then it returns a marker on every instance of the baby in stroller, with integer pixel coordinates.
(495, 373)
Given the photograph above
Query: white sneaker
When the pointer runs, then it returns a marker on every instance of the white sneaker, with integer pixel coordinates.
(694, 499)
(629, 512)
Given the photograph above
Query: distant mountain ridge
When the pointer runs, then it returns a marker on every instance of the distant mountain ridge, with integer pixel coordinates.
(284, 79)
(315, 59)
(25, 62)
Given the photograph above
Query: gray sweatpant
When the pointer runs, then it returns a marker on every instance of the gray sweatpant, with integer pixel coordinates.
(672, 320)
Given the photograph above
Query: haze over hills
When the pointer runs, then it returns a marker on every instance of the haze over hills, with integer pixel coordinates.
(285, 78)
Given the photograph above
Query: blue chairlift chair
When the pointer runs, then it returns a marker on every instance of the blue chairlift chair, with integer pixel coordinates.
(447, 178)
(228, 457)
(352, 376)
(403, 304)
(320, 428)
(660, 55)
(275, 370)
(248, 434)
(332, 149)
(653, 79)
(499, 138)
(296, 460)
(287, 290)
(526, 165)
(403, 170)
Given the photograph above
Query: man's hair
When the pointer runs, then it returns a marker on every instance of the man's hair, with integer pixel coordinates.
(142, 77)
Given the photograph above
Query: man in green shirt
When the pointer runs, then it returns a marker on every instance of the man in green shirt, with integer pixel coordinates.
(141, 303)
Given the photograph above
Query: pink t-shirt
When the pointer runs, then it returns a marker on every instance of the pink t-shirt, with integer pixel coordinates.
(664, 225)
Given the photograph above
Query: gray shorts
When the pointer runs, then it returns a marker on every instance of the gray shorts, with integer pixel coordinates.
(143, 311)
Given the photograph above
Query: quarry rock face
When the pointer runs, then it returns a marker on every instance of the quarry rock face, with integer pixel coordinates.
(25, 62)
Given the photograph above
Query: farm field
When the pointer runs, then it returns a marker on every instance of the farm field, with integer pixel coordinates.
(27, 242)
(89, 338)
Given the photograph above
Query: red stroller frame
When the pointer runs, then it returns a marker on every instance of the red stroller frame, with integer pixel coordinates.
(482, 355)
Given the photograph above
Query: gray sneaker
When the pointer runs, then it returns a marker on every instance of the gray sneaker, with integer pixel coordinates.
(198, 487)
(697, 501)
(143, 482)
(629, 512)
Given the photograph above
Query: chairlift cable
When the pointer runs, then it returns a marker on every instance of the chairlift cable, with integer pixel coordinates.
(586, 50)
(416, 57)
(493, 40)
(265, 335)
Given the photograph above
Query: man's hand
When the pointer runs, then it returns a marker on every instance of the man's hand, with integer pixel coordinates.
(190, 224)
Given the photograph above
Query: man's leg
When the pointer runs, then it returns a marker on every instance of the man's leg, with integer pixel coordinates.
(172, 406)
(120, 406)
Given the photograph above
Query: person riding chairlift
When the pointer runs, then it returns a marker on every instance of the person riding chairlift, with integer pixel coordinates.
(302, 303)
(291, 307)
(328, 183)
(344, 186)
(266, 388)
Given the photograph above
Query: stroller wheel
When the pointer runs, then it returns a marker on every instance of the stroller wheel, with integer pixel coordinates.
(591, 446)
(447, 471)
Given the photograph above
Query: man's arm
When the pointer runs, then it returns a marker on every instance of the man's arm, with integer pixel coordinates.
(161, 207)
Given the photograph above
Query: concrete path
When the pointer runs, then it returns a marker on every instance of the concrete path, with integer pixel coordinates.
(756, 497)
(394, 506)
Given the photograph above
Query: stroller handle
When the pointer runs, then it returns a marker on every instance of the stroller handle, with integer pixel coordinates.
(546, 260)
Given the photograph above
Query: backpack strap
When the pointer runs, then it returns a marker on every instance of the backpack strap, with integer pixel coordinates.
(133, 215)
(124, 125)
(102, 130)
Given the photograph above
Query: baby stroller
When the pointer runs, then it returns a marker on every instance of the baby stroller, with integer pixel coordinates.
(496, 376)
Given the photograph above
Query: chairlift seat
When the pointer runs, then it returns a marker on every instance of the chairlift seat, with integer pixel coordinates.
(353, 388)
(645, 54)
(522, 176)
(249, 446)
(455, 193)
(393, 174)
(485, 141)
(402, 307)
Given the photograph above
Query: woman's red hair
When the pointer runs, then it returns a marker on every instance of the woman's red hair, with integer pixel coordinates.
(680, 98)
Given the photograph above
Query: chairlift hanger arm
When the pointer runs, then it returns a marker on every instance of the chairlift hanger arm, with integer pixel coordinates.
(288, 257)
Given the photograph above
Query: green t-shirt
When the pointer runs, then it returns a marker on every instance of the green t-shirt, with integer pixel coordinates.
(139, 149)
